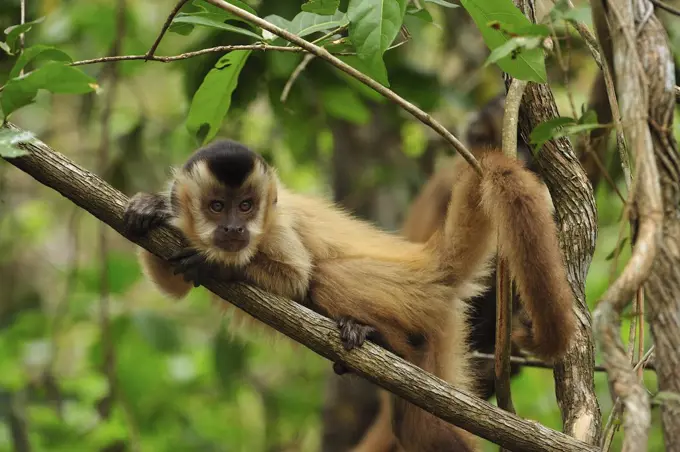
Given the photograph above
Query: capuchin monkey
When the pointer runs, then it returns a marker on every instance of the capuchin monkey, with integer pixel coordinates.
(242, 224)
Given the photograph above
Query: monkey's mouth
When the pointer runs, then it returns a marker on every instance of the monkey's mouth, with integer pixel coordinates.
(230, 243)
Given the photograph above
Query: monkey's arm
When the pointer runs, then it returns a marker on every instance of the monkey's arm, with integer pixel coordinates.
(145, 212)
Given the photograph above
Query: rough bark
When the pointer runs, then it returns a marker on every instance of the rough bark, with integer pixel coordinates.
(314, 331)
(662, 288)
(574, 202)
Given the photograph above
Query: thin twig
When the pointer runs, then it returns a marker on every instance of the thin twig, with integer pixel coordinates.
(666, 7)
(504, 283)
(386, 92)
(166, 25)
(537, 363)
(22, 20)
(294, 76)
(587, 35)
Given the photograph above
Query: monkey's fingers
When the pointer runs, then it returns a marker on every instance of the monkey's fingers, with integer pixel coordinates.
(352, 333)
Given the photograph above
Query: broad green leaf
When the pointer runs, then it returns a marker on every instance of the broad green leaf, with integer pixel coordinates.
(307, 23)
(212, 20)
(342, 102)
(5, 48)
(421, 14)
(39, 51)
(213, 98)
(521, 30)
(54, 76)
(374, 25)
(205, 6)
(443, 3)
(279, 22)
(546, 130)
(529, 65)
(9, 139)
(589, 117)
(513, 49)
(158, 331)
(322, 7)
(14, 31)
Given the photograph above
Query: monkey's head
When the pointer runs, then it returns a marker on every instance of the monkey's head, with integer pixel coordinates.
(223, 200)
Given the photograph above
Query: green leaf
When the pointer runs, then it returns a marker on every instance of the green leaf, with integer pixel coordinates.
(322, 7)
(14, 31)
(213, 98)
(54, 76)
(9, 139)
(513, 48)
(374, 25)
(307, 23)
(211, 20)
(230, 359)
(545, 131)
(421, 14)
(563, 11)
(209, 7)
(443, 3)
(342, 102)
(158, 331)
(39, 51)
(5, 48)
(279, 22)
(529, 65)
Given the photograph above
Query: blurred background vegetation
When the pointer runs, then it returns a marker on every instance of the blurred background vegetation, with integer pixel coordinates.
(91, 356)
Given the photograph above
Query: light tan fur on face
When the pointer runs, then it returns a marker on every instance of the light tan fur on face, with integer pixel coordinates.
(406, 291)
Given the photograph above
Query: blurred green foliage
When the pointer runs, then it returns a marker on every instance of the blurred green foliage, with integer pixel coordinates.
(178, 377)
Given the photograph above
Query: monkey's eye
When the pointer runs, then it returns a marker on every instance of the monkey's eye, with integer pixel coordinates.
(246, 205)
(216, 206)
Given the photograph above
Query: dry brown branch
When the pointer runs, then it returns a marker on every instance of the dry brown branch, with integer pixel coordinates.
(322, 53)
(666, 7)
(572, 195)
(314, 331)
(618, 35)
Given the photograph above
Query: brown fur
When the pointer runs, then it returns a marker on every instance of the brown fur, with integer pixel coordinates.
(351, 269)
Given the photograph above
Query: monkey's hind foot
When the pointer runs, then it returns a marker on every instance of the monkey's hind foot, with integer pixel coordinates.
(353, 334)
(192, 265)
(144, 212)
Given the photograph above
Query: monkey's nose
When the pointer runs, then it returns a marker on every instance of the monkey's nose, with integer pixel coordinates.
(238, 230)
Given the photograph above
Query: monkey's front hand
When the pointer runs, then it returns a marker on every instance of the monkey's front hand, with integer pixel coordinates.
(353, 334)
(193, 266)
(144, 212)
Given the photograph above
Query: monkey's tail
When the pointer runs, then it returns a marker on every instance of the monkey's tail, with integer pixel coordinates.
(520, 210)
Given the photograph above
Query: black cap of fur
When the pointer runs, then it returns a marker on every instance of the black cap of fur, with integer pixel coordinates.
(231, 162)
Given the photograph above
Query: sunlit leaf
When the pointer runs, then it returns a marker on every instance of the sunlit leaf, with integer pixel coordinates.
(374, 24)
(212, 100)
(513, 48)
(213, 21)
(38, 52)
(54, 76)
(9, 139)
(322, 7)
(443, 3)
(342, 102)
(528, 65)
(14, 31)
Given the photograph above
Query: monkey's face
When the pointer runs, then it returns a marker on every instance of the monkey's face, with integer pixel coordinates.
(223, 202)
(231, 214)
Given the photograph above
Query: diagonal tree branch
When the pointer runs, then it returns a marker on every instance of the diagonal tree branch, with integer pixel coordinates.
(314, 331)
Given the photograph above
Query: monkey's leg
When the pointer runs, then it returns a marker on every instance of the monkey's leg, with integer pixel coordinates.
(379, 437)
